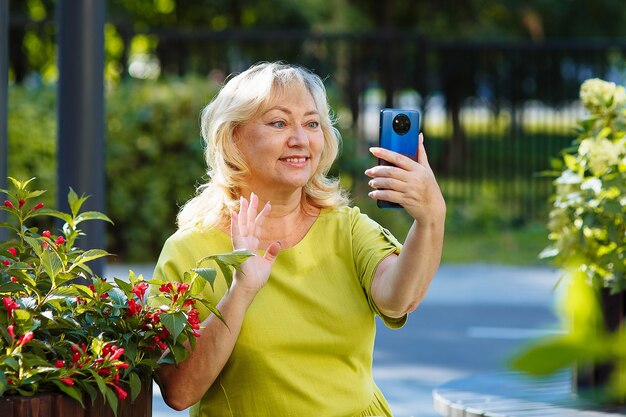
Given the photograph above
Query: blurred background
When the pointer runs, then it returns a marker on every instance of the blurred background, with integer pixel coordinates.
(496, 81)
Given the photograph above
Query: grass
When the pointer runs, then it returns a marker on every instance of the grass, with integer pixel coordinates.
(520, 246)
(474, 239)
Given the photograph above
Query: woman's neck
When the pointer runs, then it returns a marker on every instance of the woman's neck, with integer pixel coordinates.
(289, 220)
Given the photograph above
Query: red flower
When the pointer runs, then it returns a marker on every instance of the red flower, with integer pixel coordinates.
(134, 308)
(116, 354)
(38, 206)
(12, 251)
(11, 330)
(122, 365)
(8, 204)
(167, 287)
(75, 354)
(14, 279)
(10, 305)
(160, 343)
(140, 289)
(22, 202)
(46, 233)
(182, 288)
(59, 364)
(67, 381)
(104, 371)
(193, 318)
(121, 394)
(60, 240)
(25, 338)
(6, 262)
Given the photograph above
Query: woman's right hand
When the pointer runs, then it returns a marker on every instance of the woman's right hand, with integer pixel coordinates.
(245, 231)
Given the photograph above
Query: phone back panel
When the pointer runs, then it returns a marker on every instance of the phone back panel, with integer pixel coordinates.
(405, 144)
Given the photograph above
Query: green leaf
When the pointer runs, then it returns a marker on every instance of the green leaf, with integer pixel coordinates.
(35, 194)
(65, 291)
(71, 391)
(100, 381)
(119, 298)
(90, 390)
(51, 263)
(227, 260)
(3, 382)
(8, 226)
(22, 317)
(550, 355)
(11, 287)
(87, 256)
(175, 323)
(111, 399)
(123, 285)
(208, 274)
(135, 386)
(92, 215)
(75, 202)
(52, 213)
(180, 353)
(12, 363)
(35, 244)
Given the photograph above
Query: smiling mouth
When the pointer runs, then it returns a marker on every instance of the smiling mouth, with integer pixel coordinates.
(293, 160)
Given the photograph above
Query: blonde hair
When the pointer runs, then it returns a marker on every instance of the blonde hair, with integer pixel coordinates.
(238, 101)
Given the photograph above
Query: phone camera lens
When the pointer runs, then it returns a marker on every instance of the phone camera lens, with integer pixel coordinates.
(401, 124)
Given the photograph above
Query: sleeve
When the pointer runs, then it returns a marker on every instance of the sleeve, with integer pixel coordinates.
(175, 259)
(371, 243)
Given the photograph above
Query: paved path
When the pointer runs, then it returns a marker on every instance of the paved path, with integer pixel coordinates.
(473, 318)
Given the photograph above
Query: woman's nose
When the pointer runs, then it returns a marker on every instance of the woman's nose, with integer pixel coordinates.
(299, 136)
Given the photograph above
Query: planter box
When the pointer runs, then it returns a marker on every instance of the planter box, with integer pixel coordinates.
(60, 405)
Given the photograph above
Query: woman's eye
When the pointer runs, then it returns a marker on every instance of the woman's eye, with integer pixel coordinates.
(278, 124)
(313, 125)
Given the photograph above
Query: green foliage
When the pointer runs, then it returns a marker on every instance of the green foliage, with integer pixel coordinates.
(588, 234)
(32, 137)
(588, 218)
(154, 145)
(62, 328)
(153, 155)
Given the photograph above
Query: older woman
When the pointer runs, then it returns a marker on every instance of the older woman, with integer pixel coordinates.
(301, 313)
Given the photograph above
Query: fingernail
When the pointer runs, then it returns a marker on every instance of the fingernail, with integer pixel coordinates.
(371, 194)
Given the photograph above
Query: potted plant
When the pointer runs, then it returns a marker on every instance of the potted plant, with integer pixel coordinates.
(83, 339)
(587, 227)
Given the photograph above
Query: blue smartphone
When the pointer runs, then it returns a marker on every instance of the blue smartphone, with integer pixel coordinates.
(399, 132)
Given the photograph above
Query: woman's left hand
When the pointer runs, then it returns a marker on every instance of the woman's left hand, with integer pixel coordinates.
(410, 183)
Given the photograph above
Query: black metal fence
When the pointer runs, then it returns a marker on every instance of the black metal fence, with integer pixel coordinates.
(494, 113)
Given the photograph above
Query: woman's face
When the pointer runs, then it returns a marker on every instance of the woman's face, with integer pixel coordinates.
(282, 145)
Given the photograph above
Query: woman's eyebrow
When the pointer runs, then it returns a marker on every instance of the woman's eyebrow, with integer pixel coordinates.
(286, 110)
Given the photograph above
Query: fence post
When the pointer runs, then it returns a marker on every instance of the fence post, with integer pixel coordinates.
(4, 85)
(81, 112)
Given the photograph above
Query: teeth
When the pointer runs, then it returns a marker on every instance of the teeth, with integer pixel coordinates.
(295, 160)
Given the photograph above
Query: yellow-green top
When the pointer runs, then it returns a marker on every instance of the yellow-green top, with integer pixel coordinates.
(305, 348)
